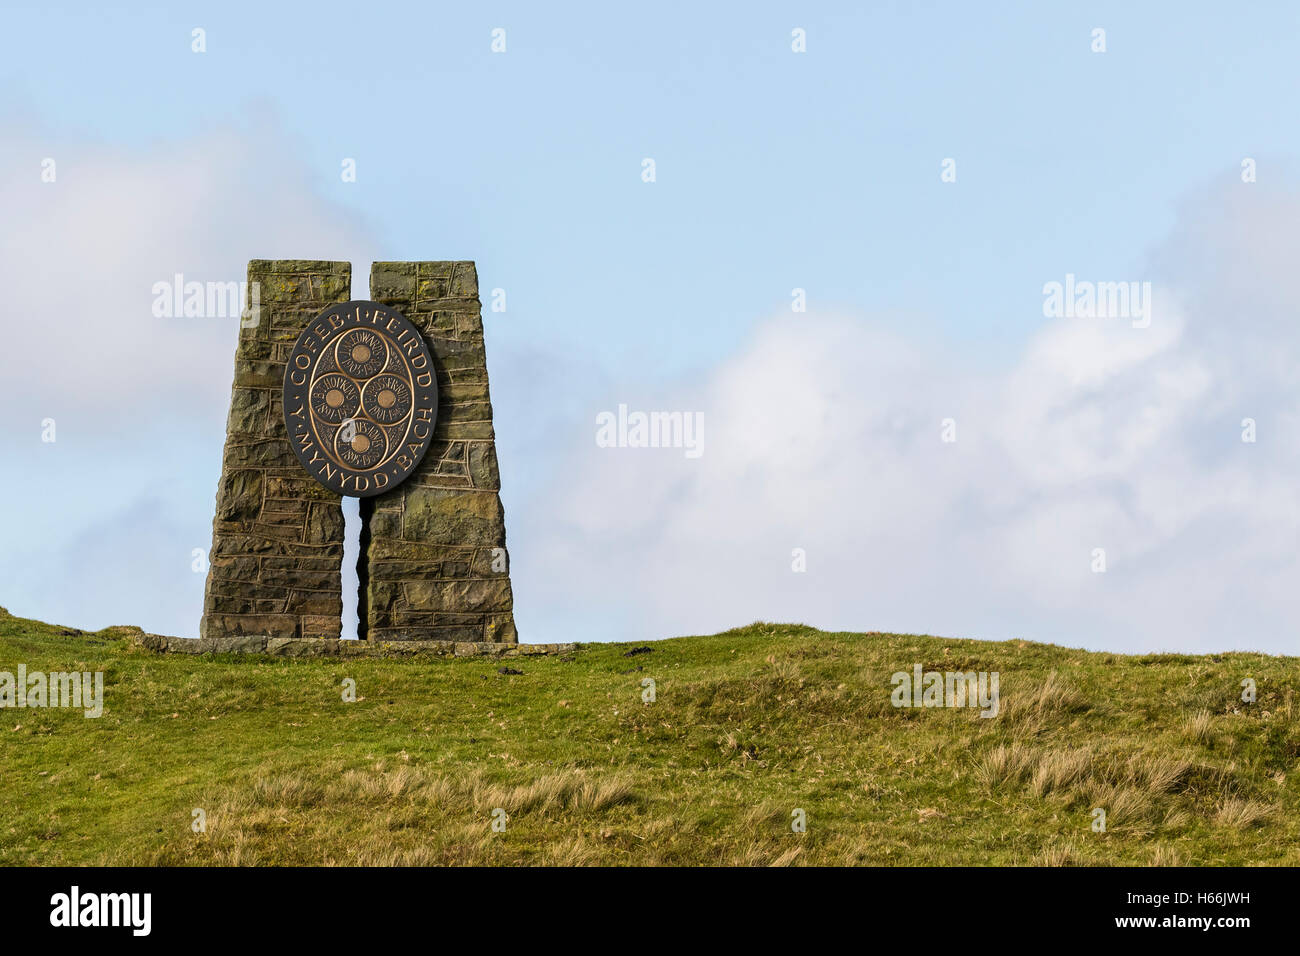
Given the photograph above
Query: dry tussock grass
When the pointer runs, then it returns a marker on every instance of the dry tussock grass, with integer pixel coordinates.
(1058, 770)
(571, 790)
(1240, 813)
(1164, 855)
(1197, 728)
(1140, 793)
(1006, 764)
(1029, 711)
(414, 816)
(1056, 854)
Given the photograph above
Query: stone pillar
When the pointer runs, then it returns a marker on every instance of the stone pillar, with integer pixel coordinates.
(435, 560)
(277, 538)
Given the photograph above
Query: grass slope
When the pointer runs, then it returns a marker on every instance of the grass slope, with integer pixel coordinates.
(748, 725)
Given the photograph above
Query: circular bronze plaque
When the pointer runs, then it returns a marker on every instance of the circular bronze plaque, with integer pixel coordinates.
(360, 398)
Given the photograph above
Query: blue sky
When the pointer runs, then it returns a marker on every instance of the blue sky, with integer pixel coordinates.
(775, 170)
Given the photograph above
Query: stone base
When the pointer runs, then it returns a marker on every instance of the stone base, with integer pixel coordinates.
(327, 647)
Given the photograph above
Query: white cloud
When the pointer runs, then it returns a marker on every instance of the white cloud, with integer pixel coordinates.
(824, 433)
(79, 258)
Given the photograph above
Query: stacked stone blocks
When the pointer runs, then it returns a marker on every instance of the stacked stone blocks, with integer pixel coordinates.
(436, 560)
(277, 538)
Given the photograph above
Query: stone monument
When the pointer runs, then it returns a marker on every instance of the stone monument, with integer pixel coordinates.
(384, 399)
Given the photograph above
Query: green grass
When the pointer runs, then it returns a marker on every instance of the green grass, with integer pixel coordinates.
(748, 725)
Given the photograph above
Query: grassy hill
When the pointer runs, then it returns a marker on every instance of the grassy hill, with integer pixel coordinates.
(747, 727)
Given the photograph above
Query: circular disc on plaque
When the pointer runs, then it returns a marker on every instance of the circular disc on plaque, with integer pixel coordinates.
(360, 398)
